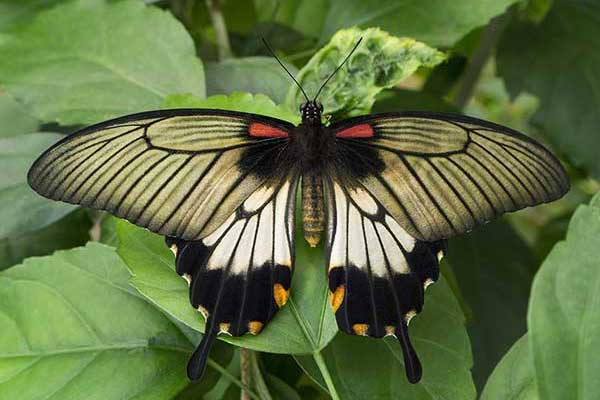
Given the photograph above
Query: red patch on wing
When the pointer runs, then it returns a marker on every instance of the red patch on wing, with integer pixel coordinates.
(357, 131)
(261, 130)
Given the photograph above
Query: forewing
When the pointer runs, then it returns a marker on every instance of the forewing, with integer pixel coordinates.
(377, 271)
(240, 274)
(176, 172)
(440, 175)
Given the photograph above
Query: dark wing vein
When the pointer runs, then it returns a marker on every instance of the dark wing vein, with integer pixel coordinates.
(441, 175)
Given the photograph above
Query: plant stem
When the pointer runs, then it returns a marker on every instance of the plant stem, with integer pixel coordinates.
(326, 376)
(221, 35)
(245, 371)
(233, 379)
(488, 41)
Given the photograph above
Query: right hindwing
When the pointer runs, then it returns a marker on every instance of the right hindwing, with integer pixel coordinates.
(377, 271)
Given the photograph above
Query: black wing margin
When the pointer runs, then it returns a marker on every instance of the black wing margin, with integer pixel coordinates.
(440, 175)
(377, 271)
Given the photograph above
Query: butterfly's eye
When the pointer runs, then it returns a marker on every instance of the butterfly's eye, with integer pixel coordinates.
(302, 107)
(320, 106)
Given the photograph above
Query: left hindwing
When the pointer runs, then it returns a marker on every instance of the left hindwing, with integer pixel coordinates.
(240, 274)
(440, 175)
(377, 271)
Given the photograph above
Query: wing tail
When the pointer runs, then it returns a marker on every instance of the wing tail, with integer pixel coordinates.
(377, 271)
(240, 275)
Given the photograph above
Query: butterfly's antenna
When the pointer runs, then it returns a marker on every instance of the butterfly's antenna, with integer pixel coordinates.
(338, 68)
(283, 66)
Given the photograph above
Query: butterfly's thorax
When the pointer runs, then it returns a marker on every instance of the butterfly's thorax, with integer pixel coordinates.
(312, 145)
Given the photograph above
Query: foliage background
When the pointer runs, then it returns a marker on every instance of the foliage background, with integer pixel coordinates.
(90, 307)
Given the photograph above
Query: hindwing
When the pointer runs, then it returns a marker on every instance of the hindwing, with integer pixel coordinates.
(377, 271)
(240, 274)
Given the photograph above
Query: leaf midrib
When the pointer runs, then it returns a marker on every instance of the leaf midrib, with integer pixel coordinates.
(143, 343)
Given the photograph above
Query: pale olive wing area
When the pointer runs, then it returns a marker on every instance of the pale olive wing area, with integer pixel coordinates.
(178, 173)
(440, 175)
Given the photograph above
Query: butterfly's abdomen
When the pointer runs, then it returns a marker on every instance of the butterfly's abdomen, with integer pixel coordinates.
(313, 210)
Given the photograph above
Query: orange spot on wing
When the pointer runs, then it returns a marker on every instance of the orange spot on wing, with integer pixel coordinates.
(255, 327)
(257, 129)
(280, 295)
(336, 298)
(357, 131)
(360, 329)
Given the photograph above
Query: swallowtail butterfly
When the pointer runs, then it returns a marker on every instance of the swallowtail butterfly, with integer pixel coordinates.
(384, 191)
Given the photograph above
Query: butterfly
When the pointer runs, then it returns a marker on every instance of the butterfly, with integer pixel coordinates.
(382, 191)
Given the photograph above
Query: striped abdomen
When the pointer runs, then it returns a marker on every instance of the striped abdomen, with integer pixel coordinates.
(313, 210)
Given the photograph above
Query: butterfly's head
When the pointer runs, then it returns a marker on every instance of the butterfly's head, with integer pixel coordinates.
(311, 112)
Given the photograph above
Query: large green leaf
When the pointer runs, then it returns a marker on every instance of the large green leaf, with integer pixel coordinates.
(306, 323)
(437, 22)
(71, 231)
(13, 12)
(251, 74)
(365, 368)
(495, 283)
(13, 119)
(258, 104)
(559, 62)
(23, 211)
(396, 100)
(89, 60)
(535, 10)
(381, 61)
(306, 16)
(72, 328)
(513, 378)
(564, 322)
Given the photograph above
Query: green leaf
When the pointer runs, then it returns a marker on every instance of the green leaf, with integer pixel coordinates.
(567, 85)
(90, 60)
(305, 16)
(23, 211)
(564, 323)
(13, 119)
(258, 104)
(513, 378)
(108, 231)
(535, 10)
(366, 368)
(279, 389)
(306, 323)
(226, 357)
(72, 328)
(395, 100)
(437, 22)
(251, 74)
(381, 61)
(495, 284)
(71, 231)
(14, 12)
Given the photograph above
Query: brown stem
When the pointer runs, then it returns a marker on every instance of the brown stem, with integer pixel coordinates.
(245, 371)
(488, 41)
(221, 35)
